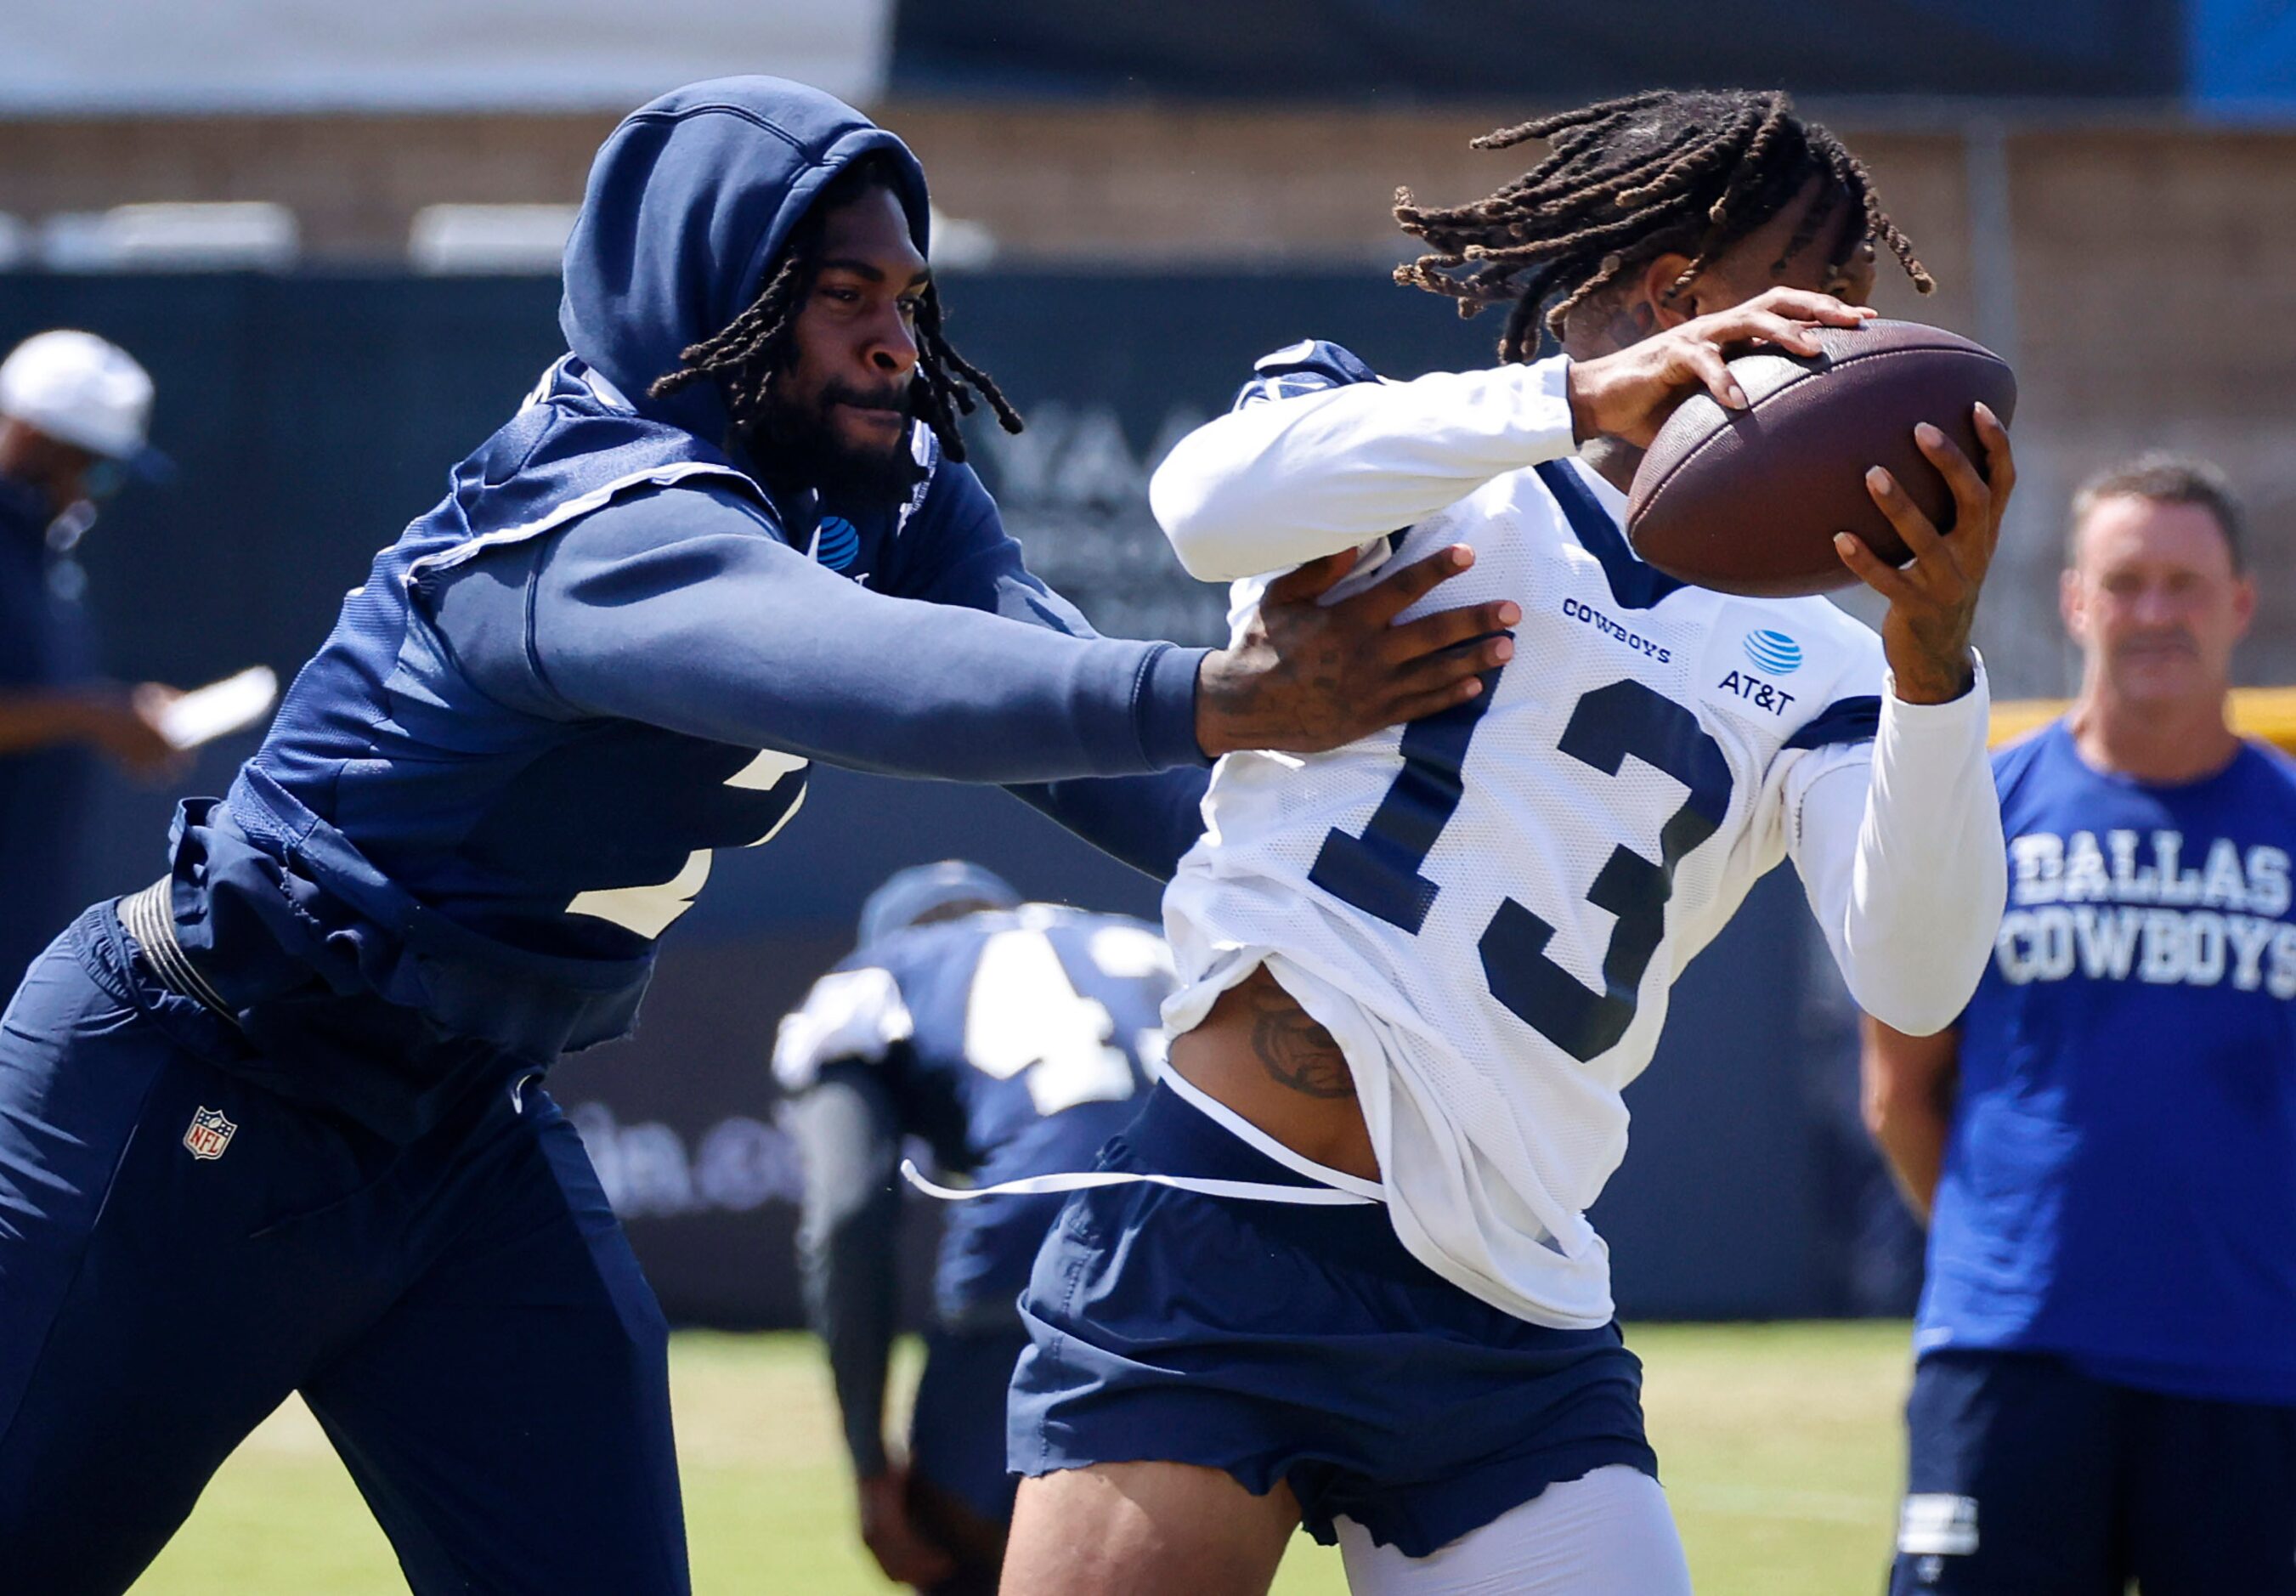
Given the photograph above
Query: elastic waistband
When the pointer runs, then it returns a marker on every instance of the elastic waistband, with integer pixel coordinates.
(116, 960)
(1296, 1181)
(1175, 1137)
(1181, 1131)
(148, 919)
(1261, 1143)
(1176, 1144)
(137, 960)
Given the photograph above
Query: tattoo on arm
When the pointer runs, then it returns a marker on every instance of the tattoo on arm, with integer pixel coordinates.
(1294, 1050)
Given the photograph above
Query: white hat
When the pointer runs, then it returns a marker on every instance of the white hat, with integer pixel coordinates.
(79, 390)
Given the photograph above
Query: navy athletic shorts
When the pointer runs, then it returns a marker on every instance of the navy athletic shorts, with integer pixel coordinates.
(2028, 1477)
(1278, 1341)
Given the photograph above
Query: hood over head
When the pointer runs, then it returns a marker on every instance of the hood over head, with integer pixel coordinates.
(688, 205)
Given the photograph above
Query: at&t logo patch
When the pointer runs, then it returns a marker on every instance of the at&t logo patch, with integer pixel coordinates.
(1752, 689)
(837, 542)
(1774, 653)
(211, 1132)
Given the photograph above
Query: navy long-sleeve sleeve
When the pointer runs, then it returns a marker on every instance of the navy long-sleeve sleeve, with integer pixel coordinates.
(1147, 822)
(682, 609)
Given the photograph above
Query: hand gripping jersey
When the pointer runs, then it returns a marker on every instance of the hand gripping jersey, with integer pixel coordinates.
(1013, 1043)
(1487, 908)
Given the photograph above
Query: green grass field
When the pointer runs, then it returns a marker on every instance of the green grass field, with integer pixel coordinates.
(1779, 1444)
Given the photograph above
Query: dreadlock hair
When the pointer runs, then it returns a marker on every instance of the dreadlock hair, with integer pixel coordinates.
(1627, 180)
(755, 347)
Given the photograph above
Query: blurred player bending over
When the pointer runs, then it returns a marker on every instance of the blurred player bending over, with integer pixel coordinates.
(2106, 1141)
(274, 1123)
(1011, 1037)
(1415, 973)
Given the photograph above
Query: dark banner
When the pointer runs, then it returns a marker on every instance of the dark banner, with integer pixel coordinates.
(312, 417)
(1544, 50)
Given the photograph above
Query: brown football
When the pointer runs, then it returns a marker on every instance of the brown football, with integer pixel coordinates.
(1748, 501)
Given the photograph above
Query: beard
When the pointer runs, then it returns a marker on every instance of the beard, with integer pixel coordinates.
(797, 443)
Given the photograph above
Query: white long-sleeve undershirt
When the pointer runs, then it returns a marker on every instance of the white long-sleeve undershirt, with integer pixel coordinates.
(1282, 482)
(1898, 842)
(1900, 849)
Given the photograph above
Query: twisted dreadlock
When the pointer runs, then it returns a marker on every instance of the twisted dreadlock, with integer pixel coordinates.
(1626, 181)
(755, 347)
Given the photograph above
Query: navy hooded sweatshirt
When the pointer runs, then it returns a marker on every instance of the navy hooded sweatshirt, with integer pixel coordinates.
(610, 650)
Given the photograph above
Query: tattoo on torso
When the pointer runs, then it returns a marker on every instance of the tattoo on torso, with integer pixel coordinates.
(1294, 1050)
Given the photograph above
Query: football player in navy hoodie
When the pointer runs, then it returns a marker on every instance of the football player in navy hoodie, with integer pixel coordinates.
(276, 1124)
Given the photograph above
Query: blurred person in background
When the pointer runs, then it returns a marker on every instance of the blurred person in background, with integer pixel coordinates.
(2105, 1144)
(1013, 1039)
(276, 1122)
(73, 413)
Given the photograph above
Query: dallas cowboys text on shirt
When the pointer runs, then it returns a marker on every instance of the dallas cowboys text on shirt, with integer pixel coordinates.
(2126, 905)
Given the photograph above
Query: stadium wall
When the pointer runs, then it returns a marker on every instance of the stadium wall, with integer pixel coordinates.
(2132, 264)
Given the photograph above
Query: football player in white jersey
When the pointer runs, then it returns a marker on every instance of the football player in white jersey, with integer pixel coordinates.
(1339, 1270)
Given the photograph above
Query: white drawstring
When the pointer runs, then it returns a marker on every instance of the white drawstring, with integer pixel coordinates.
(1258, 1191)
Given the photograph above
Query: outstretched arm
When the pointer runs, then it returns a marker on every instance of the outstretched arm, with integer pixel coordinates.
(682, 609)
(1150, 821)
(1280, 481)
(1319, 455)
(958, 553)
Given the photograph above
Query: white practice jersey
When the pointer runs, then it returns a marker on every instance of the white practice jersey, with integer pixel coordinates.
(1488, 908)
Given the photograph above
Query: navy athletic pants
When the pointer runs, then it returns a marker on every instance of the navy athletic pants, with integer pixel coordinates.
(2028, 1477)
(180, 1250)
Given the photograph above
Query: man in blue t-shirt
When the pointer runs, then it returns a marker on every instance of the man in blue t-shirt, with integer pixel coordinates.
(2106, 1143)
(1013, 1039)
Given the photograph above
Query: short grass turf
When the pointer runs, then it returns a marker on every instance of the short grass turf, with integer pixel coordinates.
(1779, 1444)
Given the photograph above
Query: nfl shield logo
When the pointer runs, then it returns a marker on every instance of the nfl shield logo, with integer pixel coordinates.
(210, 1134)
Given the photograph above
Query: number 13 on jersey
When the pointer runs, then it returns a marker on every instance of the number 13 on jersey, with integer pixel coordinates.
(1380, 871)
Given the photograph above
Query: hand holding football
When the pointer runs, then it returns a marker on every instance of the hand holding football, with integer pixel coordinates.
(1749, 500)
